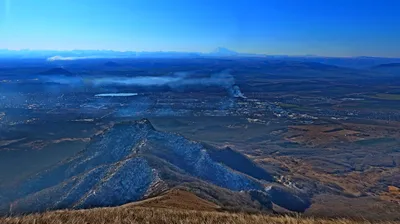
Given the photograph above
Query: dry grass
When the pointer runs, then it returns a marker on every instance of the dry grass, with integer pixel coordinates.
(326, 135)
(393, 194)
(150, 215)
(177, 199)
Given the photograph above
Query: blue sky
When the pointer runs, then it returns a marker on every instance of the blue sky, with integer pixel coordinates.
(284, 27)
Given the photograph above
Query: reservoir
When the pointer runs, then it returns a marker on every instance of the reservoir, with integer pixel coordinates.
(115, 94)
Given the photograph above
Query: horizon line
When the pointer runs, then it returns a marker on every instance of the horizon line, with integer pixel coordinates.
(232, 53)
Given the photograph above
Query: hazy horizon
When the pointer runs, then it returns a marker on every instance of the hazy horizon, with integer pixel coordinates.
(126, 53)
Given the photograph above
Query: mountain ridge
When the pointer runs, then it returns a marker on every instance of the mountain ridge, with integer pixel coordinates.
(132, 161)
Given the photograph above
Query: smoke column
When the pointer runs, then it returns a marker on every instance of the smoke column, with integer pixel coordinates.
(177, 80)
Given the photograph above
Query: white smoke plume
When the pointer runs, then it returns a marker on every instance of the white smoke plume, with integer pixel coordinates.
(177, 80)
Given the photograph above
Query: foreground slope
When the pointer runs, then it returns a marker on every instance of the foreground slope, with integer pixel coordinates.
(122, 215)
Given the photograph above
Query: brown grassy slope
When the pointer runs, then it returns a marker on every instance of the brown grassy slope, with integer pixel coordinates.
(175, 206)
(362, 207)
(178, 199)
(125, 215)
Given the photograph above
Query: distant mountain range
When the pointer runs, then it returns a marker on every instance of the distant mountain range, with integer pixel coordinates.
(53, 55)
(390, 65)
(388, 68)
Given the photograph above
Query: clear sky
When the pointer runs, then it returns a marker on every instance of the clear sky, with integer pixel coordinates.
(284, 27)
